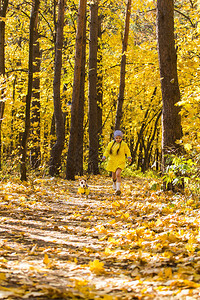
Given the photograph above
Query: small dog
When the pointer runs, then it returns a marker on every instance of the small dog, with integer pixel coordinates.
(83, 187)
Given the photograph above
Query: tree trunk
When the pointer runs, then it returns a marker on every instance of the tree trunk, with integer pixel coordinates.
(144, 123)
(35, 118)
(99, 87)
(32, 37)
(120, 100)
(171, 119)
(3, 9)
(56, 151)
(93, 131)
(71, 164)
(13, 113)
(149, 143)
(79, 148)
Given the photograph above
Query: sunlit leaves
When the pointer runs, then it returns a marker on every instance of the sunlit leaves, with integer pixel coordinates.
(53, 235)
(142, 71)
(97, 267)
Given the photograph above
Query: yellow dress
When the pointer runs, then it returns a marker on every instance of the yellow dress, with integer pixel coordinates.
(115, 160)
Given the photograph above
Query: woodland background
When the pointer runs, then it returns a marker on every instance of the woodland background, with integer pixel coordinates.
(142, 105)
(54, 242)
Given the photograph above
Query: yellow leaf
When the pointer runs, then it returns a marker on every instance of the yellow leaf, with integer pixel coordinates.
(5, 197)
(111, 222)
(198, 28)
(158, 222)
(96, 267)
(168, 273)
(77, 215)
(87, 250)
(116, 203)
(188, 147)
(172, 238)
(139, 231)
(2, 276)
(113, 241)
(190, 248)
(101, 229)
(186, 283)
(168, 254)
(108, 251)
(46, 259)
(81, 282)
(126, 215)
(103, 238)
(107, 297)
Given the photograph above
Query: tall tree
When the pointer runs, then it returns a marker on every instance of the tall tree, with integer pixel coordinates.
(93, 131)
(3, 10)
(56, 151)
(32, 38)
(35, 116)
(71, 157)
(99, 85)
(120, 99)
(79, 148)
(171, 119)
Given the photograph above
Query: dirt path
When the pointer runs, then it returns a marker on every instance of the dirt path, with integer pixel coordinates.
(56, 244)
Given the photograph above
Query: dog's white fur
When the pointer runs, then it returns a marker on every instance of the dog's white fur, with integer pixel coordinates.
(83, 183)
(83, 188)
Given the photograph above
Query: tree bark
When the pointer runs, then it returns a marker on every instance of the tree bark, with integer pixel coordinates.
(149, 144)
(144, 124)
(56, 151)
(120, 99)
(93, 131)
(32, 37)
(3, 10)
(99, 87)
(13, 114)
(171, 119)
(35, 116)
(71, 164)
(79, 148)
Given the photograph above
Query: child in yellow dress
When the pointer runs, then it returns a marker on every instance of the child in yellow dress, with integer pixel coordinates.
(116, 152)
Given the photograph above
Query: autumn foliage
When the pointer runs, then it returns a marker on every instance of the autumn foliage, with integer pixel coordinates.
(56, 241)
(142, 98)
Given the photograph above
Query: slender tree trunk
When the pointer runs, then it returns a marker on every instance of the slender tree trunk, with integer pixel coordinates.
(145, 122)
(32, 37)
(71, 164)
(79, 148)
(93, 131)
(13, 113)
(56, 151)
(148, 147)
(171, 119)
(99, 87)
(3, 10)
(120, 100)
(35, 118)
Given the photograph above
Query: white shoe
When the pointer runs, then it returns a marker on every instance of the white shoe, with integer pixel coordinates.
(118, 184)
(114, 185)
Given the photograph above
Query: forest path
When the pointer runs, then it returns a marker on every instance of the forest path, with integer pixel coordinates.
(56, 244)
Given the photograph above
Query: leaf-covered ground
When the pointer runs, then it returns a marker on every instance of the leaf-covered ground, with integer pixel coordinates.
(56, 244)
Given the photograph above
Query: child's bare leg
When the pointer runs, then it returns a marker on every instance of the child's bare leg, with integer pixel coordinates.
(114, 176)
(118, 175)
(118, 183)
(114, 180)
